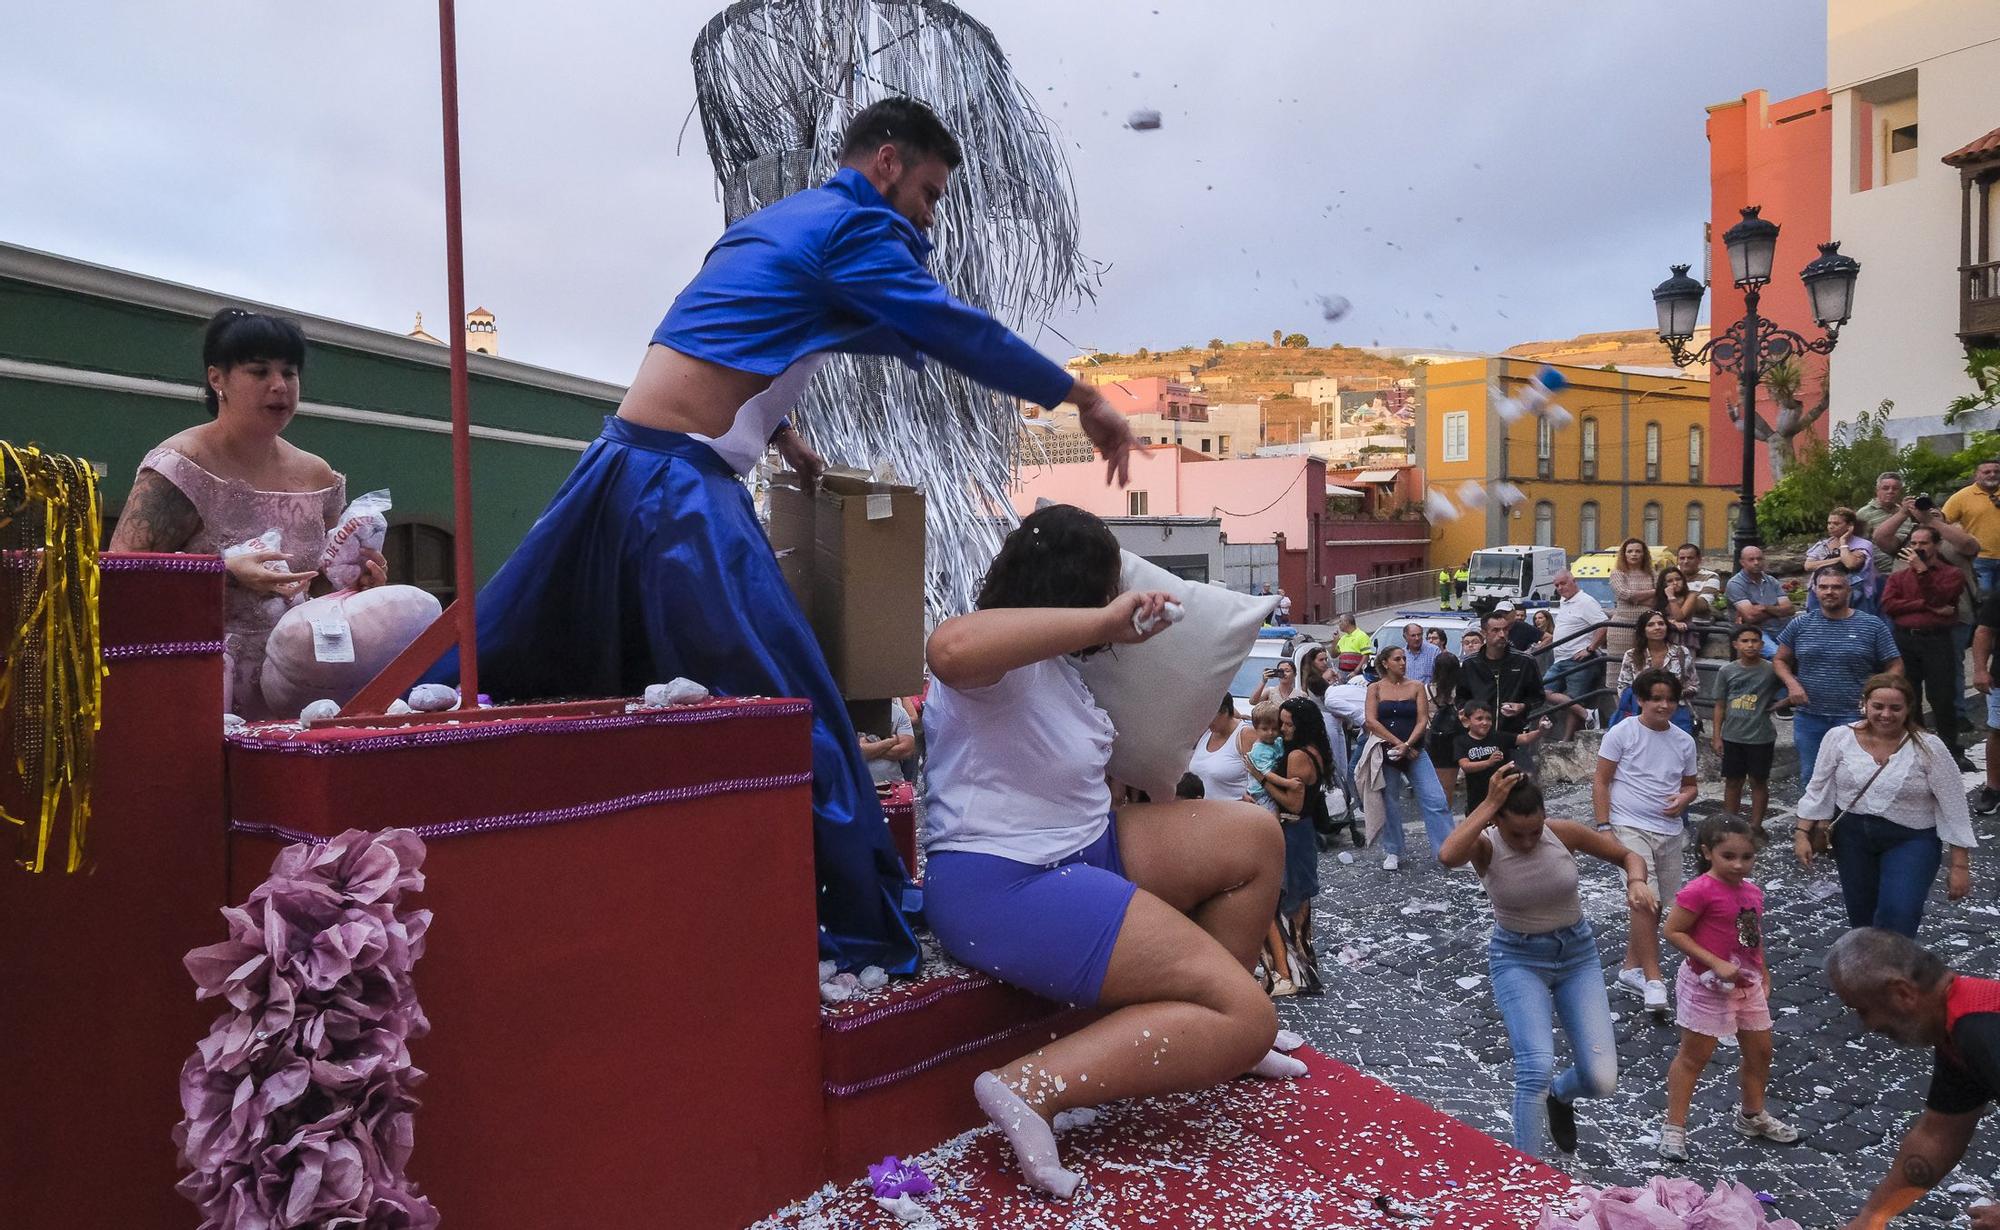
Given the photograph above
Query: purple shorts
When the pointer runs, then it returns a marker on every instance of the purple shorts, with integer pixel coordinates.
(1716, 1012)
(1046, 929)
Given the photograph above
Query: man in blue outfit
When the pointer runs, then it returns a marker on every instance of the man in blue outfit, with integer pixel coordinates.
(650, 562)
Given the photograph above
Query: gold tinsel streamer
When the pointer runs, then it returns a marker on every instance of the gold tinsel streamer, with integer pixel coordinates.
(52, 675)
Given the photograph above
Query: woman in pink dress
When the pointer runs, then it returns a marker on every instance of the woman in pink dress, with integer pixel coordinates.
(225, 482)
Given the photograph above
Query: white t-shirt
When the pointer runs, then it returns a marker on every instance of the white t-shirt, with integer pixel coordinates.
(1223, 773)
(1347, 703)
(1017, 767)
(886, 771)
(1651, 766)
(1574, 614)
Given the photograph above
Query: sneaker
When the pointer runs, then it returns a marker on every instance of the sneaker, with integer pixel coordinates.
(1985, 801)
(1673, 1143)
(1283, 987)
(1766, 1125)
(1632, 981)
(1562, 1123)
(1656, 995)
(1390, 862)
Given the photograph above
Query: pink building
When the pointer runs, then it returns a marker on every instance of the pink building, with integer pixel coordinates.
(1259, 499)
(1157, 395)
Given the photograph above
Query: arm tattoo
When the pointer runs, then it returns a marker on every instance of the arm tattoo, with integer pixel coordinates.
(1920, 1171)
(156, 517)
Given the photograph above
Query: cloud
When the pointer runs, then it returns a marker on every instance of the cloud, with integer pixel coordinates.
(291, 155)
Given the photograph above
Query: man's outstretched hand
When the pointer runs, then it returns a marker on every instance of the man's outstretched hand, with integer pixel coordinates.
(1107, 429)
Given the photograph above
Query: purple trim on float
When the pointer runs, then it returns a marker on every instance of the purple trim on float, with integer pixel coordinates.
(163, 649)
(171, 563)
(921, 1066)
(286, 739)
(882, 1012)
(550, 815)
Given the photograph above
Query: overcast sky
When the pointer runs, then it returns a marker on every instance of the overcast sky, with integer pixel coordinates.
(1468, 174)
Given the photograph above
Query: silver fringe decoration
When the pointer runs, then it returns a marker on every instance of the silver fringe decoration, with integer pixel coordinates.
(777, 82)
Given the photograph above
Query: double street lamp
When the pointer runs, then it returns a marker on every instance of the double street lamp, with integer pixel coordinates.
(1754, 343)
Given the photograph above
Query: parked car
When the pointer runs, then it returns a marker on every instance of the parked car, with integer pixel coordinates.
(1264, 655)
(1593, 572)
(1514, 574)
(1455, 625)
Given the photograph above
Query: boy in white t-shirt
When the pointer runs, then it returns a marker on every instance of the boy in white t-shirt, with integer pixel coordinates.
(1646, 777)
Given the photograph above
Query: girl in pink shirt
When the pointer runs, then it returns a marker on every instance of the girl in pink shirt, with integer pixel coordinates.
(1723, 988)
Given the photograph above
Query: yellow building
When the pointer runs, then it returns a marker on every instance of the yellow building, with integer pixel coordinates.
(1631, 465)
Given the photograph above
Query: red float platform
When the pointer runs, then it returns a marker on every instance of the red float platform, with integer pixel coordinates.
(620, 971)
(96, 1012)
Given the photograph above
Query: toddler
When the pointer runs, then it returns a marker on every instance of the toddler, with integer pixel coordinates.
(1266, 753)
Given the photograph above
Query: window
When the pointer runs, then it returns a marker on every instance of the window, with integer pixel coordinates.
(1590, 454)
(1135, 503)
(1696, 516)
(1545, 524)
(1545, 452)
(1457, 436)
(1586, 528)
(1884, 135)
(1205, 443)
(1652, 531)
(1652, 452)
(1694, 462)
(1735, 515)
(421, 555)
(1222, 446)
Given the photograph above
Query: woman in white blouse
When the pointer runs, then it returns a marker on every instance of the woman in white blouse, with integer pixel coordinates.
(1900, 802)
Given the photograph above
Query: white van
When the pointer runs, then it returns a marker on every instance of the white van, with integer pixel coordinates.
(1514, 574)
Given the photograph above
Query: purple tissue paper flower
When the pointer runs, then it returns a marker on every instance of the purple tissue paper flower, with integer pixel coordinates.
(297, 1105)
(895, 1178)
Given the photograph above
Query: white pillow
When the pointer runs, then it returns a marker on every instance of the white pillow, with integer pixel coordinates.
(1160, 695)
(381, 623)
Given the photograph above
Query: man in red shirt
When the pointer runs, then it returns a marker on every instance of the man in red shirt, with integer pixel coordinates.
(1908, 995)
(1921, 603)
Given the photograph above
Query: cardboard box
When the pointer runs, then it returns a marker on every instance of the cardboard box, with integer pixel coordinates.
(853, 555)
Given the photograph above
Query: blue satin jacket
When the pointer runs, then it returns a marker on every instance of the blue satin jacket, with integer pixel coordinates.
(835, 268)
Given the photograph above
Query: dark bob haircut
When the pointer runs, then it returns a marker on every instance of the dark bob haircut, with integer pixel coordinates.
(910, 126)
(1059, 555)
(235, 337)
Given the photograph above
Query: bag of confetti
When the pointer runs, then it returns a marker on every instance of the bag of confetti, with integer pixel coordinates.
(365, 525)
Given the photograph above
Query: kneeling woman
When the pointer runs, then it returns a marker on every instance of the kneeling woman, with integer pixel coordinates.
(1156, 912)
(1543, 957)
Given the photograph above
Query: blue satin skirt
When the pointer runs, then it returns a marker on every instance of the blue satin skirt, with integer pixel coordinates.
(650, 563)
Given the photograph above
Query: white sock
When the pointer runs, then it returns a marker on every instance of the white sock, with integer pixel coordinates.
(1274, 1066)
(1033, 1141)
(1287, 1042)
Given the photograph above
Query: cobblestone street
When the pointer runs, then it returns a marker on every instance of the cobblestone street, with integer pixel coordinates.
(1407, 1000)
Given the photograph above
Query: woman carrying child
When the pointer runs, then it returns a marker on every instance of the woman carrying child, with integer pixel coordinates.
(1543, 956)
(1723, 987)
(1298, 793)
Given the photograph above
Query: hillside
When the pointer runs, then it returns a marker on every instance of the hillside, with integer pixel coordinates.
(1620, 348)
(1241, 371)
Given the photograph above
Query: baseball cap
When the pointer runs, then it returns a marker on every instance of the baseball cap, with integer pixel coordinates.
(1505, 606)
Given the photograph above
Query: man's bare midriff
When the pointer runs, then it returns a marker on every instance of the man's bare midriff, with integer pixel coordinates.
(678, 392)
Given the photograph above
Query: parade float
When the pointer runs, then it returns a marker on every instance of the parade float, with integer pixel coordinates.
(617, 1016)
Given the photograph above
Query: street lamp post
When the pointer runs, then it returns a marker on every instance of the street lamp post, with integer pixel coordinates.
(1754, 343)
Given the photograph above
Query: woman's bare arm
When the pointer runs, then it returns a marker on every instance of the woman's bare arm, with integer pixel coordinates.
(156, 517)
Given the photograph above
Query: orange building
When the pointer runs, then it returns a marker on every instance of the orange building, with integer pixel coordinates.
(1780, 156)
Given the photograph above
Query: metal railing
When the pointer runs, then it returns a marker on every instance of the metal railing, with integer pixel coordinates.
(1380, 593)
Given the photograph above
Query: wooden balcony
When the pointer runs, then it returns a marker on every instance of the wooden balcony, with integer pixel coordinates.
(1979, 304)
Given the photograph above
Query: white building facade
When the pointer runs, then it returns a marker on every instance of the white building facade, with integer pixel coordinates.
(1911, 81)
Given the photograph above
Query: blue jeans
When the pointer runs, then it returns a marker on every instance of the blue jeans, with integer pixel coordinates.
(1885, 871)
(1421, 777)
(1807, 731)
(1535, 978)
(1988, 573)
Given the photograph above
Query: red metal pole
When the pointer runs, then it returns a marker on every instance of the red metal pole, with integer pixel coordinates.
(461, 407)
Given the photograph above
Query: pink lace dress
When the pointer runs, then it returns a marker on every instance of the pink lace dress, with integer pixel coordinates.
(233, 511)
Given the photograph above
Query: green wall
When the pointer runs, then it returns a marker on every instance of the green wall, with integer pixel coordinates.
(512, 482)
